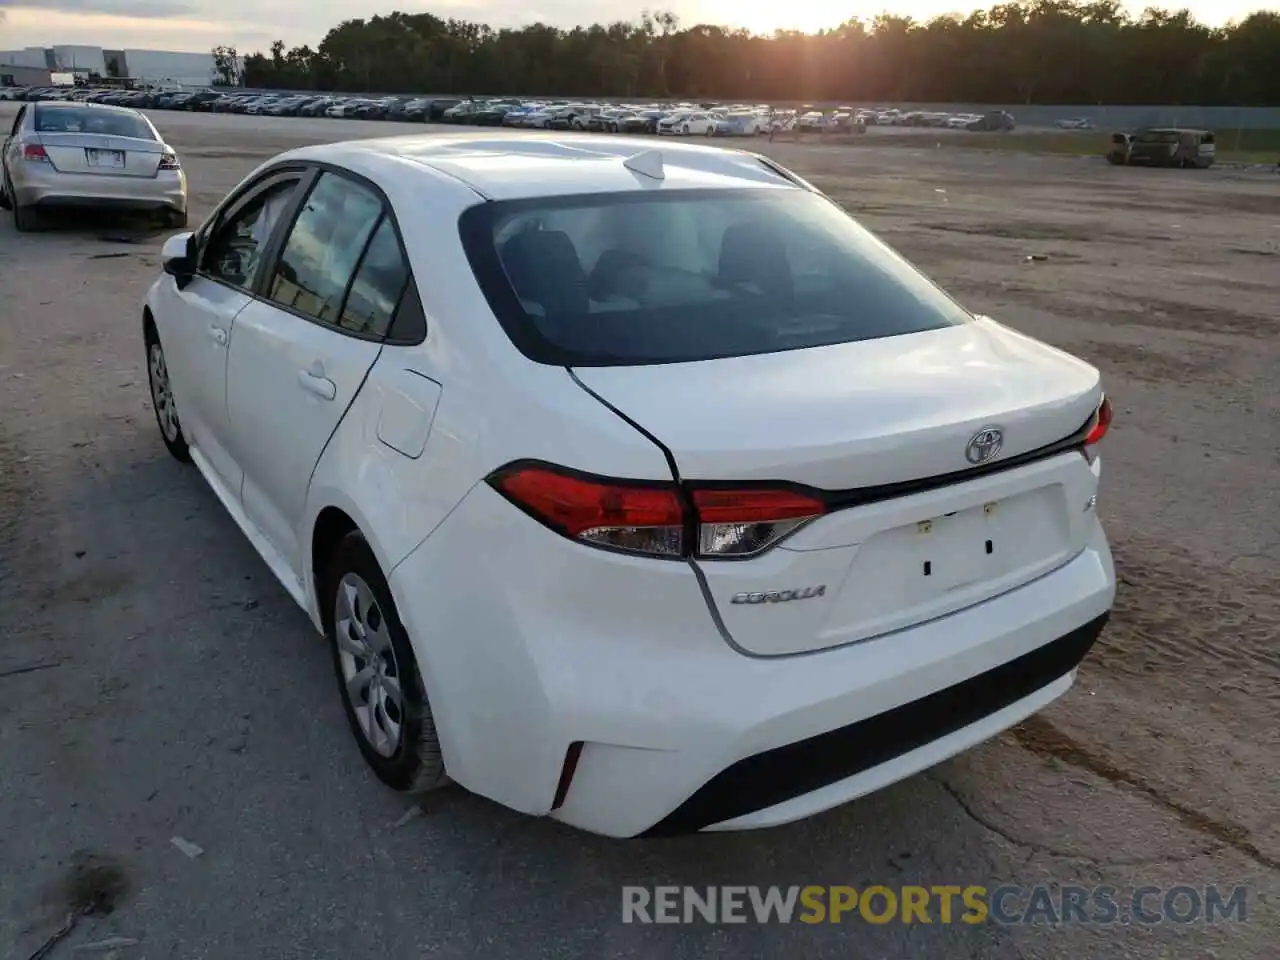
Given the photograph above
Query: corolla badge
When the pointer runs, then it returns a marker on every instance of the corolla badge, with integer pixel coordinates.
(984, 445)
(781, 596)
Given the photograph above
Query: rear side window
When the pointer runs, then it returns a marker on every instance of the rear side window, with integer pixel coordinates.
(640, 278)
(377, 285)
(324, 246)
(114, 123)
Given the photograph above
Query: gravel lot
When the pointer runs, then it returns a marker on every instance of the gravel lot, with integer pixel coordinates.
(155, 681)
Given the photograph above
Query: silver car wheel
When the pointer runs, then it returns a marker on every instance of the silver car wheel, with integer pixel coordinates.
(370, 673)
(162, 395)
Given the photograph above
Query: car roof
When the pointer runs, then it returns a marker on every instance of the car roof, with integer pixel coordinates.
(500, 166)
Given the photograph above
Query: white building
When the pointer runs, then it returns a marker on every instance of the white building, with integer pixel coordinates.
(188, 69)
(28, 57)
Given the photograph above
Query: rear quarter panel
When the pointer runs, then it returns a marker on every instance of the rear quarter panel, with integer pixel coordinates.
(486, 403)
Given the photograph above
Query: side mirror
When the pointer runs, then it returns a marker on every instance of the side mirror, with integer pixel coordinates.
(178, 257)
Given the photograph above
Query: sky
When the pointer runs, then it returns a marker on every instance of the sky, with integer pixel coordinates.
(249, 25)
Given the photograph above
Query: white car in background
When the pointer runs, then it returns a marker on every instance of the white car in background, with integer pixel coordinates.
(642, 489)
(65, 155)
(688, 124)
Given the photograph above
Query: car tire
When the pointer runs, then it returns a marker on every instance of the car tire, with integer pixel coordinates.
(26, 219)
(375, 658)
(162, 397)
(176, 219)
(685, 130)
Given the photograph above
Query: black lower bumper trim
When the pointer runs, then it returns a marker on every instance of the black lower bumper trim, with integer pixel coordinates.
(54, 204)
(790, 771)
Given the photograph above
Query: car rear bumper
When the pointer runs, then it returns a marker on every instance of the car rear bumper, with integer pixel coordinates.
(540, 651)
(48, 188)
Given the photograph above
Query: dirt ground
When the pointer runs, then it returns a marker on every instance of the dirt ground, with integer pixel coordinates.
(156, 682)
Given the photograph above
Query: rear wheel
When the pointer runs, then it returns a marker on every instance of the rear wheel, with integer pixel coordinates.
(378, 679)
(26, 219)
(176, 219)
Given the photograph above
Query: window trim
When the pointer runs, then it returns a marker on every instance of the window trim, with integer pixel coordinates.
(284, 228)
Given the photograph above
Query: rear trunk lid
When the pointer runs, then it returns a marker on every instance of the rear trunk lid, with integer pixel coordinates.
(885, 432)
(102, 154)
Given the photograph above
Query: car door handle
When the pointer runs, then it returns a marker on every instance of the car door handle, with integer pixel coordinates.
(218, 335)
(322, 387)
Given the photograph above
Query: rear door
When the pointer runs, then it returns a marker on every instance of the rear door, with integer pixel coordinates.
(301, 350)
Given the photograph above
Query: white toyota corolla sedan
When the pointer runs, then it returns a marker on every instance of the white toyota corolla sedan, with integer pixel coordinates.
(639, 488)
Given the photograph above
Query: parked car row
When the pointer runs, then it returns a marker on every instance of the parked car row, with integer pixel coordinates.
(681, 119)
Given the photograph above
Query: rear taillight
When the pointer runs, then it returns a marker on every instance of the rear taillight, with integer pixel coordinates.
(654, 518)
(636, 518)
(1099, 424)
(35, 153)
(169, 161)
(740, 523)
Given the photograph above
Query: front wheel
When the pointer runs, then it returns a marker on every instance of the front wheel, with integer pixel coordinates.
(162, 399)
(685, 130)
(378, 679)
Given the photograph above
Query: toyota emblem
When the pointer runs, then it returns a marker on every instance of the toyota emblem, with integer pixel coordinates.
(984, 445)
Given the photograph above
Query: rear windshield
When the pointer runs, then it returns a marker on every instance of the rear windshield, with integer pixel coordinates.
(87, 120)
(648, 277)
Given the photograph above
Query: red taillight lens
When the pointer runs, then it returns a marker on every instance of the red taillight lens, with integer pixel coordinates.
(650, 518)
(1101, 423)
(1098, 427)
(740, 523)
(169, 161)
(606, 513)
(35, 153)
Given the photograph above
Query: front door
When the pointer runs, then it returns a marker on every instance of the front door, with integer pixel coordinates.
(301, 352)
(197, 321)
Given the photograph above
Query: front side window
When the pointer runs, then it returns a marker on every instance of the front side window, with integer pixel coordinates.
(236, 243)
(683, 275)
(323, 247)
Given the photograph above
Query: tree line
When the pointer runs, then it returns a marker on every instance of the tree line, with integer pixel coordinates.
(1030, 51)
